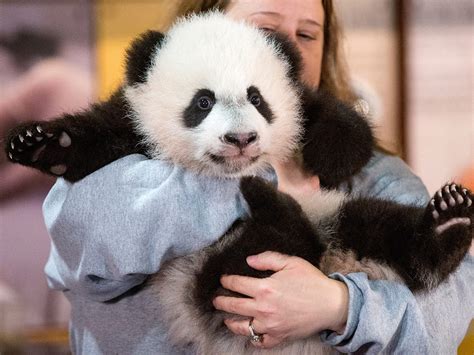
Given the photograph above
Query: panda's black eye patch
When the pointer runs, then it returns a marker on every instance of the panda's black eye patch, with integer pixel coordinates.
(256, 99)
(201, 104)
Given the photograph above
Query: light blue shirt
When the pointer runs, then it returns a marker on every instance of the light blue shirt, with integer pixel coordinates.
(115, 227)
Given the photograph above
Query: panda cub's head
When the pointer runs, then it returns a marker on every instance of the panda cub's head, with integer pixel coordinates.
(214, 95)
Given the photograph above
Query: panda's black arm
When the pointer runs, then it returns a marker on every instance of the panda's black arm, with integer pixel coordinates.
(337, 141)
(424, 245)
(283, 228)
(75, 145)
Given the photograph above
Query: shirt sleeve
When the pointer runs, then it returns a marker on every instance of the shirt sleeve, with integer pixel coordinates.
(115, 227)
(389, 178)
(386, 317)
(382, 315)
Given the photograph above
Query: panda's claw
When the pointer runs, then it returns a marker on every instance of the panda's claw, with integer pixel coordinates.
(58, 170)
(64, 140)
(443, 205)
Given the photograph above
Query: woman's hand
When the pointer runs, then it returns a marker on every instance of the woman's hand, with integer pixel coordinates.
(295, 302)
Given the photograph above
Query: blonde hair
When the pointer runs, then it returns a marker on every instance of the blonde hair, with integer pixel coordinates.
(334, 72)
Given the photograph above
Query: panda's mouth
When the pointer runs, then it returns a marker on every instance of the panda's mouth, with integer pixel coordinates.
(233, 160)
(236, 160)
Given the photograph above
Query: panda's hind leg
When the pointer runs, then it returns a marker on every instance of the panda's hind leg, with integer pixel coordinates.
(451, 205)
(423, 245)
(447, 227)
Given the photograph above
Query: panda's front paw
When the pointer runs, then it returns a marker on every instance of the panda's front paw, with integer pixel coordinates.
(451, 206)
(39, 145)
(266, 203)
(258, 193)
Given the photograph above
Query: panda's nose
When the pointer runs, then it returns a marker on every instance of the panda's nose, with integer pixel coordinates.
(240, 140)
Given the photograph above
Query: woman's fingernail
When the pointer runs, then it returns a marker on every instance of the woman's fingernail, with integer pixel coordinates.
(251, 258)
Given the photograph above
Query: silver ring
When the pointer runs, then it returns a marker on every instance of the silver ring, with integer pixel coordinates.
(254, 336)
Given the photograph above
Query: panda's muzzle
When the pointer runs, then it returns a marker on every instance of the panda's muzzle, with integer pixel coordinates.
(239, 150)
(240, 140)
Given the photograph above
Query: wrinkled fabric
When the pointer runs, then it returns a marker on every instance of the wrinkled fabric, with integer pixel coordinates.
(115, 227)
(386, 318)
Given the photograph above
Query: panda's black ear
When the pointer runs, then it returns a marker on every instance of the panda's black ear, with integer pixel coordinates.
(140, 54)
(290, 52)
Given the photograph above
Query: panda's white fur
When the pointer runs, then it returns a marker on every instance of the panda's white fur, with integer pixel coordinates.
(235, 59)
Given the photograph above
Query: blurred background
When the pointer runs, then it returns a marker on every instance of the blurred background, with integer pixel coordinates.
(411, 62)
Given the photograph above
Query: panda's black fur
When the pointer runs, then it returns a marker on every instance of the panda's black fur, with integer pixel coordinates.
(417, 246)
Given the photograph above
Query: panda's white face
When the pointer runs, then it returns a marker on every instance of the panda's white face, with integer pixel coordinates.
(218, 99)
(229, 132)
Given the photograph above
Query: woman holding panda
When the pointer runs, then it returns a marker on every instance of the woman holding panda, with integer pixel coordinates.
(111, 313)
(298, 300)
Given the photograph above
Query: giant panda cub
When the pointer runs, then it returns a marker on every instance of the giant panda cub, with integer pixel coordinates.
(223, 99)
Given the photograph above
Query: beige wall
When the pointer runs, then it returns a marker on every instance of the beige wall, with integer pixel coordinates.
(441, 118)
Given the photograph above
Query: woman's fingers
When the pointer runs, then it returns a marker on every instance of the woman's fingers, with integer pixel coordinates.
(268, 260)
(241, 327)
(268, 342)
(297, 301)
(236, 305)
(251, 286)
(244, 285)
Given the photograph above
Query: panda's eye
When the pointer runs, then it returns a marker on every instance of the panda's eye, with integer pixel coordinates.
(205, 103)
(255, 99)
